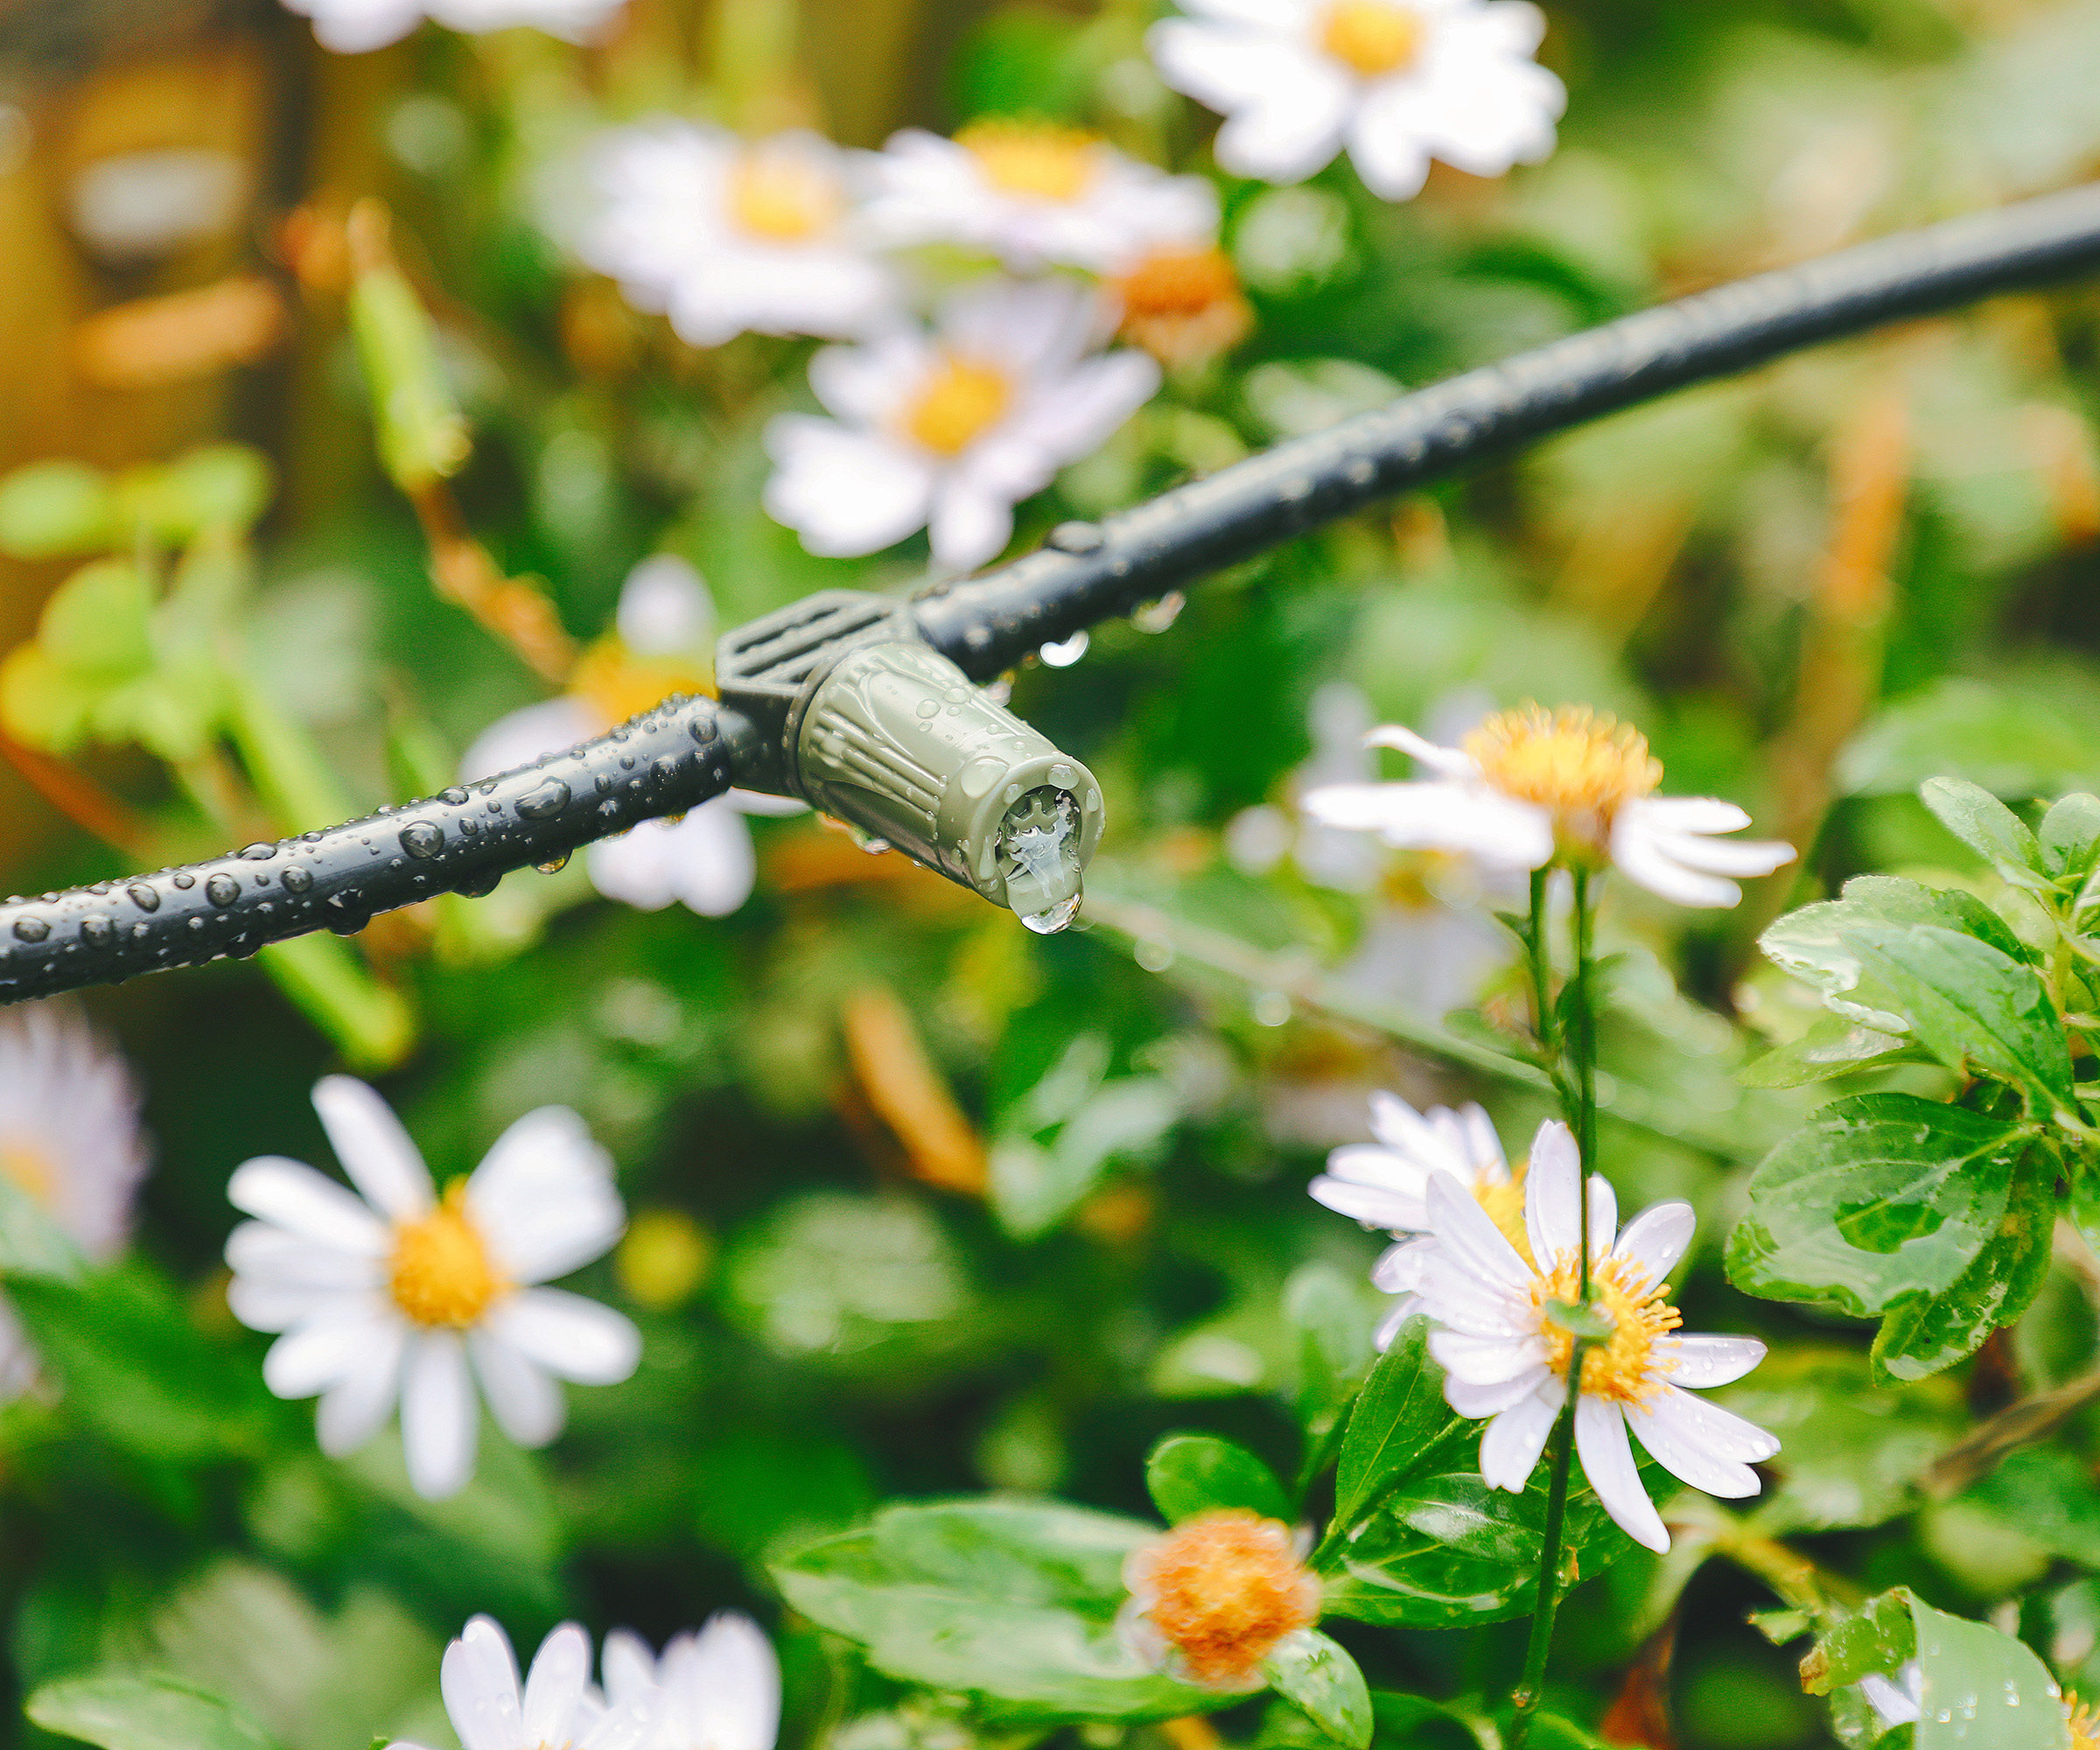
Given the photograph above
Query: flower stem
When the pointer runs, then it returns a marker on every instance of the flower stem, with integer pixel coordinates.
(1584, 1052)
(1531, 1687)
(1541, 962)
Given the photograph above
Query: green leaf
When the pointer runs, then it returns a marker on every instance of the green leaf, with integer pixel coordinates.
(1881, 1197)
(49, 509)
(216, 487)
(1319, 1677)
(1401, 1425)
(1034, 1186)
(1982, 1690)
(2047, 1496)
(126, 1712)
(1833, 1046)
(1877, 1637)
(1192, 1474)
(422, 437)
(1973, 1006)
(1012, 1599)
(1327, 1310)
(1987, 826)
(1926, 1333)
(1817, 944)
(2070, 838)
(97, 624)
(136, 1370)
(1448, 1551)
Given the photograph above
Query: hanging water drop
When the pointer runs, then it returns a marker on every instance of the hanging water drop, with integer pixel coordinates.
(553, 865)
(1055, 918)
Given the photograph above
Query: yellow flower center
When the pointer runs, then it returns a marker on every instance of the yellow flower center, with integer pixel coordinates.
(782, 197)
(960, 398)
(1623, 1367)
(440, 1273)
(1505, 1208)
(617, 684)
(1581, 766)
(1031, 158)
(29, 1168)
(2084, 1722)
(1226, 1587)
(1372, 36)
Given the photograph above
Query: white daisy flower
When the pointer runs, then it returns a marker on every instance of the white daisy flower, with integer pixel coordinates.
(716, 1690)
(1036, 196)
(353, 27)
(951, 430)
(1396, 81)
(726, 236)
(396, 1294)
(662, 643)
(553, 1708)
(69, 1140)
(1506, 1353)
(1529, 788)
(1385, 1184)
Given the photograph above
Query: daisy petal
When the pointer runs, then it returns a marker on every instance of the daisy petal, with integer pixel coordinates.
(1510, 1448)
(1604, 1215)
(1705, 1361)
(1673, 1440)
(1446, 762)
(293, 1196)
(357, 1406)
(438, 1418)
(1464, 1229)
(1608, 1461)
(1479, 1402)
(527, 1404)
(1656, 1238)
(727, 1684)
(1389, 1327)
(316, 1356)
(555, 1685)
(480, 1681)
(543, 1197)
(1552, 1191)
(1638, 855)
(629, 1668)
(1400, 1268)
(1486, 1361)
(571, 1337)
(373, 1147)
(1717, 1431)
(1387, 1210)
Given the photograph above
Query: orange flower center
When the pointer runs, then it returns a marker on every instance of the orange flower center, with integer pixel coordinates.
(1031, 158)
(1374, 36)
(1227, 1586)
(1579, 765)
(440, 1273)
(1623, 1367)
(27, 1167)
(783, 197)
(617, 684)
(960, 398)
(1178, 282)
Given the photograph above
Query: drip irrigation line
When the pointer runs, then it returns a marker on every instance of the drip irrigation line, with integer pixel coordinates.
(689, 750)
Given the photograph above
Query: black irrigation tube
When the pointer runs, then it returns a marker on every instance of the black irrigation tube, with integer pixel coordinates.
(687, 750)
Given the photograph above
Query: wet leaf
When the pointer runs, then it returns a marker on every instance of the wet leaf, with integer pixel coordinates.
(1982, 1690)
(1012, 1599)
(1883, 1196)
(1323, 1680)
(1876, 1638)
(1192, 1474)
(1400, 1426)
(1987, 826)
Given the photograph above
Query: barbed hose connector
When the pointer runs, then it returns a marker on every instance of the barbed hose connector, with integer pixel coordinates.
(875, 727)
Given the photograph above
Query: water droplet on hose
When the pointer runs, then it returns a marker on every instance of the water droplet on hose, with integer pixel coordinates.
(546, 801)
(553, 865)
(1058, 917)
(223, 890)
(143, 897)
(97, 931)
(298, 879)
(422, 839)
(259, 852)
(455, 796)
(31, 929)
(186, 881)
